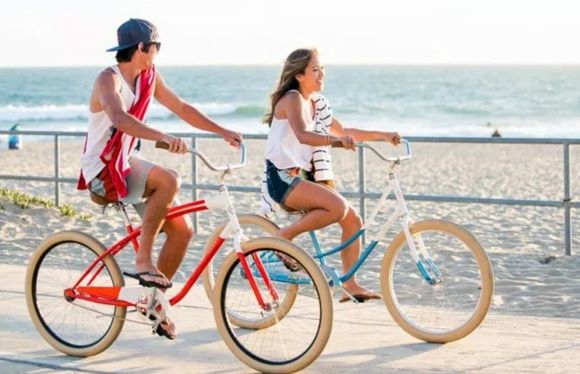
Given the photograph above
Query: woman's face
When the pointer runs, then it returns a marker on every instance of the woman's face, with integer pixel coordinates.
(313, 78)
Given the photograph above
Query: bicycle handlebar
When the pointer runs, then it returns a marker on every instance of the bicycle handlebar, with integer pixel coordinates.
(163, 145)
(407, 156)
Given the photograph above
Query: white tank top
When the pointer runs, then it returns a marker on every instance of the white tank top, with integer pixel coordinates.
(99, 132)
(283, 148)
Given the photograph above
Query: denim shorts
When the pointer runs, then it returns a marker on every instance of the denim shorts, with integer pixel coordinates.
(281, 182)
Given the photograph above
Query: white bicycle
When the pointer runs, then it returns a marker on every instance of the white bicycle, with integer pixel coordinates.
(436, 279)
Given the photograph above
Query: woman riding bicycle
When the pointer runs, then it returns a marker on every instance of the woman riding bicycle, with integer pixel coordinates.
(298, 172)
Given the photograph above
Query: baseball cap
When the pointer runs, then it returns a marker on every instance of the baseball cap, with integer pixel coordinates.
(133, 32)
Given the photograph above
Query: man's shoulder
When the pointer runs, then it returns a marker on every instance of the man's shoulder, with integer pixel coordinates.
(106, 78)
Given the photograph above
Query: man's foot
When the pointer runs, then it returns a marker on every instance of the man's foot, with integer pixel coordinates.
(167, 328)
(151, 279)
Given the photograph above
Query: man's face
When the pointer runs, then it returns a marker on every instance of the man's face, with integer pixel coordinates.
(148, 51)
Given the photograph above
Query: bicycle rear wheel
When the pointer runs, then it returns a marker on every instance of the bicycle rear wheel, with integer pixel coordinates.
(283, 345)
(72, 326)
(457, 298)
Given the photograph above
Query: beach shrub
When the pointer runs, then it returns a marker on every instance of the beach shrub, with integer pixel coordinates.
(67, 210)
(24, 201)
(85, 216)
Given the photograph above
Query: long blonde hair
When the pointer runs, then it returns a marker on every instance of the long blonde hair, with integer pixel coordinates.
(295, 64)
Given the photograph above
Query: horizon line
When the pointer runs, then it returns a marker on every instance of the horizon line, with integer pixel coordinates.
(401, 64)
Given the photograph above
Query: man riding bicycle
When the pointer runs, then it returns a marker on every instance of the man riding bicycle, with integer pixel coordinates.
(111, 167)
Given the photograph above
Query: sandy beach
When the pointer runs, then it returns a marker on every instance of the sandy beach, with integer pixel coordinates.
(516, 238)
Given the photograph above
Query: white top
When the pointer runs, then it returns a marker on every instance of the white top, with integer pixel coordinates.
(283, 148)
(99, 132)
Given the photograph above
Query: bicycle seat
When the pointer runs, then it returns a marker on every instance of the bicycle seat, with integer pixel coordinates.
(99, 200)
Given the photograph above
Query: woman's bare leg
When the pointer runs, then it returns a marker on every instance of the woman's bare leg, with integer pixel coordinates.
(350, 225)
(324, 207)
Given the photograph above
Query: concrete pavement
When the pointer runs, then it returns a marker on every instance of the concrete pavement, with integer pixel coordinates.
(503, 344)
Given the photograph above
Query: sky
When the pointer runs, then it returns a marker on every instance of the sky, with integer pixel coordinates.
(257, 32)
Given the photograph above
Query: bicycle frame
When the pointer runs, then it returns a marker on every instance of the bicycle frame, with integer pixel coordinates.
(418, 252)
(128, 296)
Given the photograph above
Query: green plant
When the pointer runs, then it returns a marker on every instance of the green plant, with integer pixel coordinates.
(85, 216)
(67, 210)
(24, 200)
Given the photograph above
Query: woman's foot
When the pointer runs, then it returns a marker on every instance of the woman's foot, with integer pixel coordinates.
(359, 293)
(290, 263)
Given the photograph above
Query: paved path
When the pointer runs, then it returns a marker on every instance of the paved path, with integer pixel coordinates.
(503, 344)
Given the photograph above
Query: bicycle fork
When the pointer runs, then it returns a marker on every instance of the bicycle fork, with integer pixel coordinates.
(223, 201)
(429, 271)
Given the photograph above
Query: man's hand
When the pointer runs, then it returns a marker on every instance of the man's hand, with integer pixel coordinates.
(176, 145)
(234, 139)
(392, 137)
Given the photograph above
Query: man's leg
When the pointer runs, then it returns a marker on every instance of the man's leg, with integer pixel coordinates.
(161, 187)
(179, 232)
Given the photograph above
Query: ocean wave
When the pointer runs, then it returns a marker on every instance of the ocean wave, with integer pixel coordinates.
(79, 112)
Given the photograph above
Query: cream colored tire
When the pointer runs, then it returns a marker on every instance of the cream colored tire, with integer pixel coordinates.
(68, 326)
(318, 320)
(447, 311)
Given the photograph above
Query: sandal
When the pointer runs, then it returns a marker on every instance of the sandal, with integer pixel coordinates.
(149, 283)
(290, 263)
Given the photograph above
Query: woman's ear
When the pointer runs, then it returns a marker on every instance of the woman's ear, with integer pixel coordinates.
(141, 47)
(299, 77)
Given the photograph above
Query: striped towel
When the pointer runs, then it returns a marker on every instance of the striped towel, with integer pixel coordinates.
(321, 159)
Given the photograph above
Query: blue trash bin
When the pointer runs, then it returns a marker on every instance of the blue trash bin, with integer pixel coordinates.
(14, 140)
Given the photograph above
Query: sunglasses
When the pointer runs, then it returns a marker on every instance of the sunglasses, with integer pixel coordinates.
(156, 44)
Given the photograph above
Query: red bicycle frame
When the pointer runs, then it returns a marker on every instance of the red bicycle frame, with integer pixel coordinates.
(110, 295)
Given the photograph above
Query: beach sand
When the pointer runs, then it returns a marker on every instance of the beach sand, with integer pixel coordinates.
(516, 238)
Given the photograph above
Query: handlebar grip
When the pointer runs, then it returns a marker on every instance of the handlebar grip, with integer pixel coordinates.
(161, 144)
(337, 144)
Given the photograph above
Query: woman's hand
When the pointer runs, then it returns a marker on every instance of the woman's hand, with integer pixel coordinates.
(348, 142)
(392, 137)
(176, 145)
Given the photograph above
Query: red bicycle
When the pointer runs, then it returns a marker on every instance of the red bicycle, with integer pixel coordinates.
(78, 300)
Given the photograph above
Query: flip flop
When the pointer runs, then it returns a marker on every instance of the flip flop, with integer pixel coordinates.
(361, 298)
(290, 263)
(149, 283)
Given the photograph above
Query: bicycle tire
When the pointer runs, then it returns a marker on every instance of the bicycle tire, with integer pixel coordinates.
(312, 313)
(265, 227)
(427, 311)
(67, 325)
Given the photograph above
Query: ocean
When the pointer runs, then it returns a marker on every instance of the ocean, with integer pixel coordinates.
(518, 101)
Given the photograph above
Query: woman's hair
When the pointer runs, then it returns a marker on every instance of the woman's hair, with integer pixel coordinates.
(295, 64)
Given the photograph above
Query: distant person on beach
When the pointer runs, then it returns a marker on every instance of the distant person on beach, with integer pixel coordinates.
(298, 167)
(110, 165)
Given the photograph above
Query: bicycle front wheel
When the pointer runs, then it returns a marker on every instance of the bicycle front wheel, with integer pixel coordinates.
(447, 295)
(72, 326)
(294, 337)
(253, 226)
